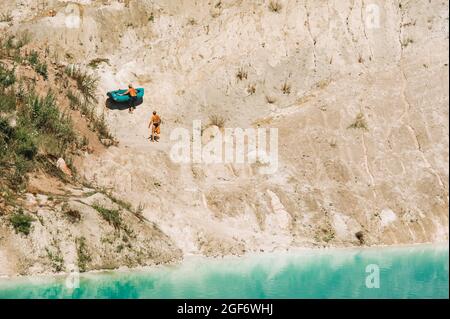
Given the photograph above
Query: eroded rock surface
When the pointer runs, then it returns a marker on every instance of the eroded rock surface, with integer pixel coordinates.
(361, 112)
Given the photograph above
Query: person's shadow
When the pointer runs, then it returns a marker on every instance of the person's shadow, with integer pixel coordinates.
(113, 105)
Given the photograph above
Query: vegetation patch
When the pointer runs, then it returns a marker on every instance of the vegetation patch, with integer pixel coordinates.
(34, 132)
(6, 17)
(151, 17)
(10, 46)
(84, 100)
(192, 21)
(118, 201)
(251, 89)
(7, 77)
(325, 235)
(86, 83)
(407, 42)
(359, 123)
(241, 74)
(286, 88)
(21, 222)
(83, 254)
(217, 120)
(96, 62)
(39, 66)
(275, 6)
(56, 259)
(112, 216)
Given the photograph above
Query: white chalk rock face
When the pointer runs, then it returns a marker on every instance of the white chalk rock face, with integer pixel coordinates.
(340, 226)
(280, 217)
(387, 217)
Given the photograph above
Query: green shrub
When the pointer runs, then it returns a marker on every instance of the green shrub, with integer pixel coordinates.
(18, 178)
(6, 131)
(125, 205)
(7, 77)
(83, 254)
(8, 101)
(33, 58)
(21, 222)
(41, 69)
(43, 112)
(16, 150)
(74, 100)
(43, 115)
(112, 216)
(6, 134)
(85, 101)
(56, 259)
(102, 128)
(86, 83)
(39, 66)
(40, 128)
(25, 144)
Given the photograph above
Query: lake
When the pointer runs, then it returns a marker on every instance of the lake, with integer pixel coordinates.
(401, 272)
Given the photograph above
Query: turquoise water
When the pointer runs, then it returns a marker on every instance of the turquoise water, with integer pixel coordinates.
(419, 272)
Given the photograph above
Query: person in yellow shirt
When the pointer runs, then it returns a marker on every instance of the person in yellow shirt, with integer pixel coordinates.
(133, 98)
(155, 124)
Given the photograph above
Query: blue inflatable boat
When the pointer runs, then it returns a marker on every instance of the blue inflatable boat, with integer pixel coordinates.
(114, 95)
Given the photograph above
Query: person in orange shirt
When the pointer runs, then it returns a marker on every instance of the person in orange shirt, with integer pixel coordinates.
(155, 124)
(133, 97)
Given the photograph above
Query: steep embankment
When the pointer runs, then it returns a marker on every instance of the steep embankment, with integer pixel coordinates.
(361, 111)
(50, 221)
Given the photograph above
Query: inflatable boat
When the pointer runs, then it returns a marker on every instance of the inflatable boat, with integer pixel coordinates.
(114, 95)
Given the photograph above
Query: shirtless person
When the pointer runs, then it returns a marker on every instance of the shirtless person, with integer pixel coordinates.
(156, 130)
(133, 98)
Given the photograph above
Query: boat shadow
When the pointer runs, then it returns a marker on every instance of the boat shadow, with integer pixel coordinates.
(113, 105)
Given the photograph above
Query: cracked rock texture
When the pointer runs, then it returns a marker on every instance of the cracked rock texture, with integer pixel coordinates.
(361, 111)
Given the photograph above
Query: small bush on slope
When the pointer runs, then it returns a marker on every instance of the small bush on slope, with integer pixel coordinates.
(21, 222)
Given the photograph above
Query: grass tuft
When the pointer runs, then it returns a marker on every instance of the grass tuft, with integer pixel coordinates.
(217, 120)
(6, 17)
(83, 254)
(96, 62)
(112, 216)
(241, 74)
(21, 222)
(86, 83)
(286, 88)
(275, 6)
(7, 77)
(359, 123)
